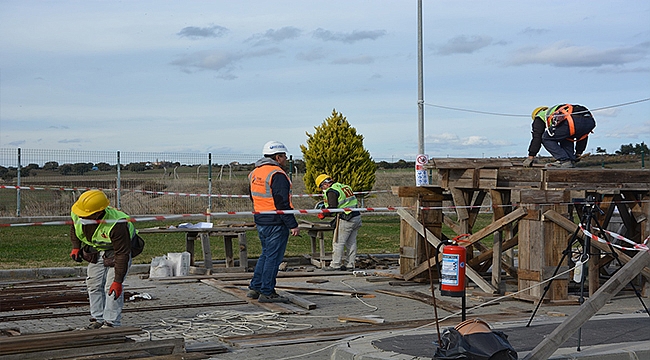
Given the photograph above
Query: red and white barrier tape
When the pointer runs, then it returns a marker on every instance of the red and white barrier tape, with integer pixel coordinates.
(215, 214)
(635, 246)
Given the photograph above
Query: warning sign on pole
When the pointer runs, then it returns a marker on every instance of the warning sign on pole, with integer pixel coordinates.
(421, 175)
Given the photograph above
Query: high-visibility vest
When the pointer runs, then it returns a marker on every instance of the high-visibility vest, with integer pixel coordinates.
(346, 196)
(101, 239)
(260, 181)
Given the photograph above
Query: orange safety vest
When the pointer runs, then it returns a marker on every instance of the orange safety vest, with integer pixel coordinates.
(563, 113)
(260, 181)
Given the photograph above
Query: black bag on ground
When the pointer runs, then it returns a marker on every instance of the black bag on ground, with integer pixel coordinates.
(478, 346)
(137, 245)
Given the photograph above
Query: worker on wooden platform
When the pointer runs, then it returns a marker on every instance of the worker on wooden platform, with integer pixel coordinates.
(108, 246)
(344, 242)
(270, 189)
(563, 130)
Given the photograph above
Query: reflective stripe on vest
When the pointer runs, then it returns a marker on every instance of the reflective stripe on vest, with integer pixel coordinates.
(260, 182)
(346, 197)
(101, 239)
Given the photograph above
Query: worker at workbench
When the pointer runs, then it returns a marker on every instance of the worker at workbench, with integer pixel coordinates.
(107, 246)
(558, 128)
(344, 242)
(270, 190)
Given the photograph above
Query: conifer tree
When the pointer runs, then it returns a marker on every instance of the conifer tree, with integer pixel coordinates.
(337, 150)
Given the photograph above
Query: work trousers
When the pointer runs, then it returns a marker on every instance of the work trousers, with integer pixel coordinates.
(559, 144)
(104, 308)
(344, 243)
(274, 240)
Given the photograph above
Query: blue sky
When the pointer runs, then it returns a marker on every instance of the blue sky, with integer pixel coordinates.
(227, 76)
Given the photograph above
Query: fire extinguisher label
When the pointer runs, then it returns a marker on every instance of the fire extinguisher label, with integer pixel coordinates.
(450, 269)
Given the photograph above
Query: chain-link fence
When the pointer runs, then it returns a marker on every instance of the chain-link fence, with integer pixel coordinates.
(47, 182)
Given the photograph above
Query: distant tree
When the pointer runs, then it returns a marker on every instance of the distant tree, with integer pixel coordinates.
(641, 148)
(102, 166)
(630, 149)
(137, 167)
(82, 168)
(600, 150)
(336, 149)
(51, 166)
(65, 169)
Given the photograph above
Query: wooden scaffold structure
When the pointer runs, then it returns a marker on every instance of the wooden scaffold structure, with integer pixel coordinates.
(533, 210)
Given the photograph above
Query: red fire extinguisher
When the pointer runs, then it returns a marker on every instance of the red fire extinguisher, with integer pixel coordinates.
(452, 271)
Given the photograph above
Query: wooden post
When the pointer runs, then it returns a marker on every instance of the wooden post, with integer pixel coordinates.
(207, 252)
(243, 250)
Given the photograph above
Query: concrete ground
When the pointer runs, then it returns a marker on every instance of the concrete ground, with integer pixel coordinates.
(330, 338)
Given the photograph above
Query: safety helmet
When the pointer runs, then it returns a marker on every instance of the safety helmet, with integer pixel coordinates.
(320, 179)
(537, 110)
(274, 147)
(90, 202)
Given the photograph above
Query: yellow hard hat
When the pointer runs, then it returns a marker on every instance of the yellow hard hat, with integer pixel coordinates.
(320, 179)
(90, 202)
(541, 108)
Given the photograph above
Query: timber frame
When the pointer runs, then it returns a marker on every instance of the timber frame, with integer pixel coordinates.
(531, 209)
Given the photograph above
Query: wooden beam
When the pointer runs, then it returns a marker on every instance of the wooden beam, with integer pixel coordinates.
(473, 275)
(564, 331)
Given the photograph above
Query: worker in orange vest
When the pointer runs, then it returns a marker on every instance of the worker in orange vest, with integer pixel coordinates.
(270, 189)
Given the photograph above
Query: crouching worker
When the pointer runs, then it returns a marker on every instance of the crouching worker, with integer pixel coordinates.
(107, 248)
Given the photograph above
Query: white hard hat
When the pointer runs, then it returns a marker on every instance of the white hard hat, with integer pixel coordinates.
(274, 147)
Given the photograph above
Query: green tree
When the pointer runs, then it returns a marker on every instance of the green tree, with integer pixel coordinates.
(336, 149)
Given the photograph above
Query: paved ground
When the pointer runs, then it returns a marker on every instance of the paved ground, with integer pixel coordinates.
(199, 324)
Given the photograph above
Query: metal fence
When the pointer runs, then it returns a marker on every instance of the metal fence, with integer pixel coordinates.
(45, 183)
(37, 182)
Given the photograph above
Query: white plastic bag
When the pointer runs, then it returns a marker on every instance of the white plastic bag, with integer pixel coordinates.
(180, 263)
(160, 267)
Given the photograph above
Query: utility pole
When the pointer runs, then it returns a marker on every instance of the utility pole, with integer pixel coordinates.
(420, 84)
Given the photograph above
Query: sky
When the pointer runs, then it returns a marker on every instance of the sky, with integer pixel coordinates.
(227, 76)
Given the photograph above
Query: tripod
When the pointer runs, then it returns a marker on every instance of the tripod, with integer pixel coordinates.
(587, 218)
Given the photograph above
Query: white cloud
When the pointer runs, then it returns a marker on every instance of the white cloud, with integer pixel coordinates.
(464, 45)
(564, 54)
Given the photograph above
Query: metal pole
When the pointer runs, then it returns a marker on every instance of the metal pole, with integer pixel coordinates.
(209, 183)
(18, 186)
(642, 155)
(420, 84)
(119, 182)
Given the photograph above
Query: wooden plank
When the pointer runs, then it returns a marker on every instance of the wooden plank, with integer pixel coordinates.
(470, 273)
(519, 178)
(589, 308)
(433, 193)
(467, 163)
(361, 319)
(471, 178)
(124, 350)
(303, 303)
(241, 294)
(592, 179)
(534, 196)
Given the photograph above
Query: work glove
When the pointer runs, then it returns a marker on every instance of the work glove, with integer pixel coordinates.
(321, 216)
(528, 162)
(115, 288)
(75, 254)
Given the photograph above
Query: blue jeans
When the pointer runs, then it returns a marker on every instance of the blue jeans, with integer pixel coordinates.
(274, 240)
(103, 308)
(559, 146)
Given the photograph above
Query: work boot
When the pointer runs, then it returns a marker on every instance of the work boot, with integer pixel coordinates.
(94, 324)
(273, 298)
(107, 325)
(253, 294)
(330, 268)
(565, 164)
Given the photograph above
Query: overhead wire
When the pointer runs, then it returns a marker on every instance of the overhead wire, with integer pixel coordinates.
(528, 115)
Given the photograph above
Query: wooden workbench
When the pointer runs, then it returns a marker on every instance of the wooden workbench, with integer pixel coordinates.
(316, 231)
(229, 233)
